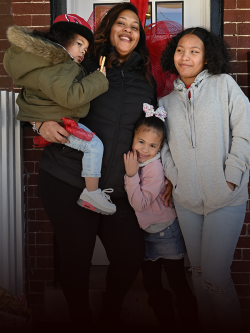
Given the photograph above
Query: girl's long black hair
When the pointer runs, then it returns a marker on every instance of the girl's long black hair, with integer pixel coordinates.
(216, 52)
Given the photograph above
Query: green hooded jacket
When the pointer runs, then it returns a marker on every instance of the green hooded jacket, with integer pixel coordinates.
(53, 85)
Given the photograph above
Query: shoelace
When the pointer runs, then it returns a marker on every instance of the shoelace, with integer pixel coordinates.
(107, 190)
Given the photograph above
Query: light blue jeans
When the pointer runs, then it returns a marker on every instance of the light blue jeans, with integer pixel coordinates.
(93, 151)
(211, 241)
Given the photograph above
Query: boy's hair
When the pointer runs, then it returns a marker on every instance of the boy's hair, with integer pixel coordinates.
(152, 122)
(60, 35)
(216, 51)
(102, 44)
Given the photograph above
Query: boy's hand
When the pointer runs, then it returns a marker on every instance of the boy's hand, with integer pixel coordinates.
(131, 163)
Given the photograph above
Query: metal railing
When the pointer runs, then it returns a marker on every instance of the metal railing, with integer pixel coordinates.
(11, 197)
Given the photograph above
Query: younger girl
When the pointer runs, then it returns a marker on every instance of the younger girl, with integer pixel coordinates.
(207, 159)
(54, 85)
(145, 183)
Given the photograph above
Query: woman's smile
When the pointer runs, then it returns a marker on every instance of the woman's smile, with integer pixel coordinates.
(125, 34)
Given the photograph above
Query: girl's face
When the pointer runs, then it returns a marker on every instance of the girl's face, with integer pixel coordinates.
(78, 48)
(189, 58)
(147, 143)
(125, 34)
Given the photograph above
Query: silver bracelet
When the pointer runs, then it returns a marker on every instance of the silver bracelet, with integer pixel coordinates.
(35, 129)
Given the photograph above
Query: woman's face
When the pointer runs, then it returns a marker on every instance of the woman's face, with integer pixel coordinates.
(125, 34)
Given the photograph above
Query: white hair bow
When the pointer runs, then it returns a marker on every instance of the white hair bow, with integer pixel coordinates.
(160, 113)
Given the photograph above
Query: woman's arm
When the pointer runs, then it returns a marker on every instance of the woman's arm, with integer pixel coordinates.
(52, 131)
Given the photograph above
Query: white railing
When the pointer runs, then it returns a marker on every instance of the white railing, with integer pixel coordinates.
(11, 197)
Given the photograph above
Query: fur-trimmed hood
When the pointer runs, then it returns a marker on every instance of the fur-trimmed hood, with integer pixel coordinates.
(23, 38)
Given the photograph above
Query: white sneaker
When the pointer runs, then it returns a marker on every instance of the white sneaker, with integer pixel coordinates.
(97, 201)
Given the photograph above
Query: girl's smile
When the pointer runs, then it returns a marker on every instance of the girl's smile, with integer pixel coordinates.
(146, 143)
(189, 58)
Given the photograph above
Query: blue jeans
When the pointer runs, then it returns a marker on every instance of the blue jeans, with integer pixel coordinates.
(92, 157)
(211, 241)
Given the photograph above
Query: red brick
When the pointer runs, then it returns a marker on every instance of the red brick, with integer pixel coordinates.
(47, 262)
(28, 143)
(37, 168)
(232, 41)
(2, 70)
(242, 54)
(30, 262)
(37, 286)
(22, 20)
(243, 242)
(40, 227)
(229, 28)
(30, 238)
(32, 179)
(244, 41)
(237, 254)
(5, 8)
(41, 274)
(246, 254)
(40, 20)
(32, 154)
(229, 4)
(243, 290)
(244, 228)
(29, 167)
(28, 132)
(41, 215)
(45, 238)
(31, 8)
(241, 278)
(243, 28)
(243, 4)
(34, 203)
(41, 250)
(233, 54)
(240, 266)
(239, 67)
(5, 82)
(4, 45)
(236, 15)
(32, 214)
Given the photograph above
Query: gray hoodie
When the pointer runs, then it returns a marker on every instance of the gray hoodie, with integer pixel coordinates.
(208, 143)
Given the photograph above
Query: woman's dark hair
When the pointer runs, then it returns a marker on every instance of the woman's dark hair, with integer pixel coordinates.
(60, 35)
(216, 51)
(102, 44)
(152, 123)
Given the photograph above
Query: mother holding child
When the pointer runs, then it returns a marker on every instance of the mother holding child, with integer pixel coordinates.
(207, 155)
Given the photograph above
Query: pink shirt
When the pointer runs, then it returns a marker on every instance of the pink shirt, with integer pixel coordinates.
(144, 190)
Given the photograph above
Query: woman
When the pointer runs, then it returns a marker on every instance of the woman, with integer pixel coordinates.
(112, 117)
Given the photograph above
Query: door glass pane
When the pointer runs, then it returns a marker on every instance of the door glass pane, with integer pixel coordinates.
(148, 18)
(170, 11)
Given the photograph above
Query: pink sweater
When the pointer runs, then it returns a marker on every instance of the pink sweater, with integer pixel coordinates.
(144, 190)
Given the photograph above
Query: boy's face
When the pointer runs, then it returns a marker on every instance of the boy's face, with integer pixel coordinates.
(78, 48)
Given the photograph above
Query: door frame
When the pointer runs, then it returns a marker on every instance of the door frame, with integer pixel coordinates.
(58, 7)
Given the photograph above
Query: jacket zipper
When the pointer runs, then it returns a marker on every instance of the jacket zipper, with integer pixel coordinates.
(116, 129)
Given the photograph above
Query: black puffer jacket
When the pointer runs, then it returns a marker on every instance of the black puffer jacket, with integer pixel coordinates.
(112, 117)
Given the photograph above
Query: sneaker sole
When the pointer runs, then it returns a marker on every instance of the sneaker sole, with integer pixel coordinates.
(87, 205)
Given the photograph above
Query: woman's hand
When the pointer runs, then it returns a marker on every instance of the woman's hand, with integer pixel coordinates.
(231, 186)
(131, 163)
(53, 132)
(167, 195)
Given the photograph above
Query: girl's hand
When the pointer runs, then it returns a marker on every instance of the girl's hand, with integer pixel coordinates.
(131, 163)
(103, 70)
(231, 186)
(53, 132)
(167, 195)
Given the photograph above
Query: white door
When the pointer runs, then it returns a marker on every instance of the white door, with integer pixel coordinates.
(189, 13)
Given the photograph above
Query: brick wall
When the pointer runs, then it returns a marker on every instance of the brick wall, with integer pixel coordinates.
(237, 35)
(39, 234)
